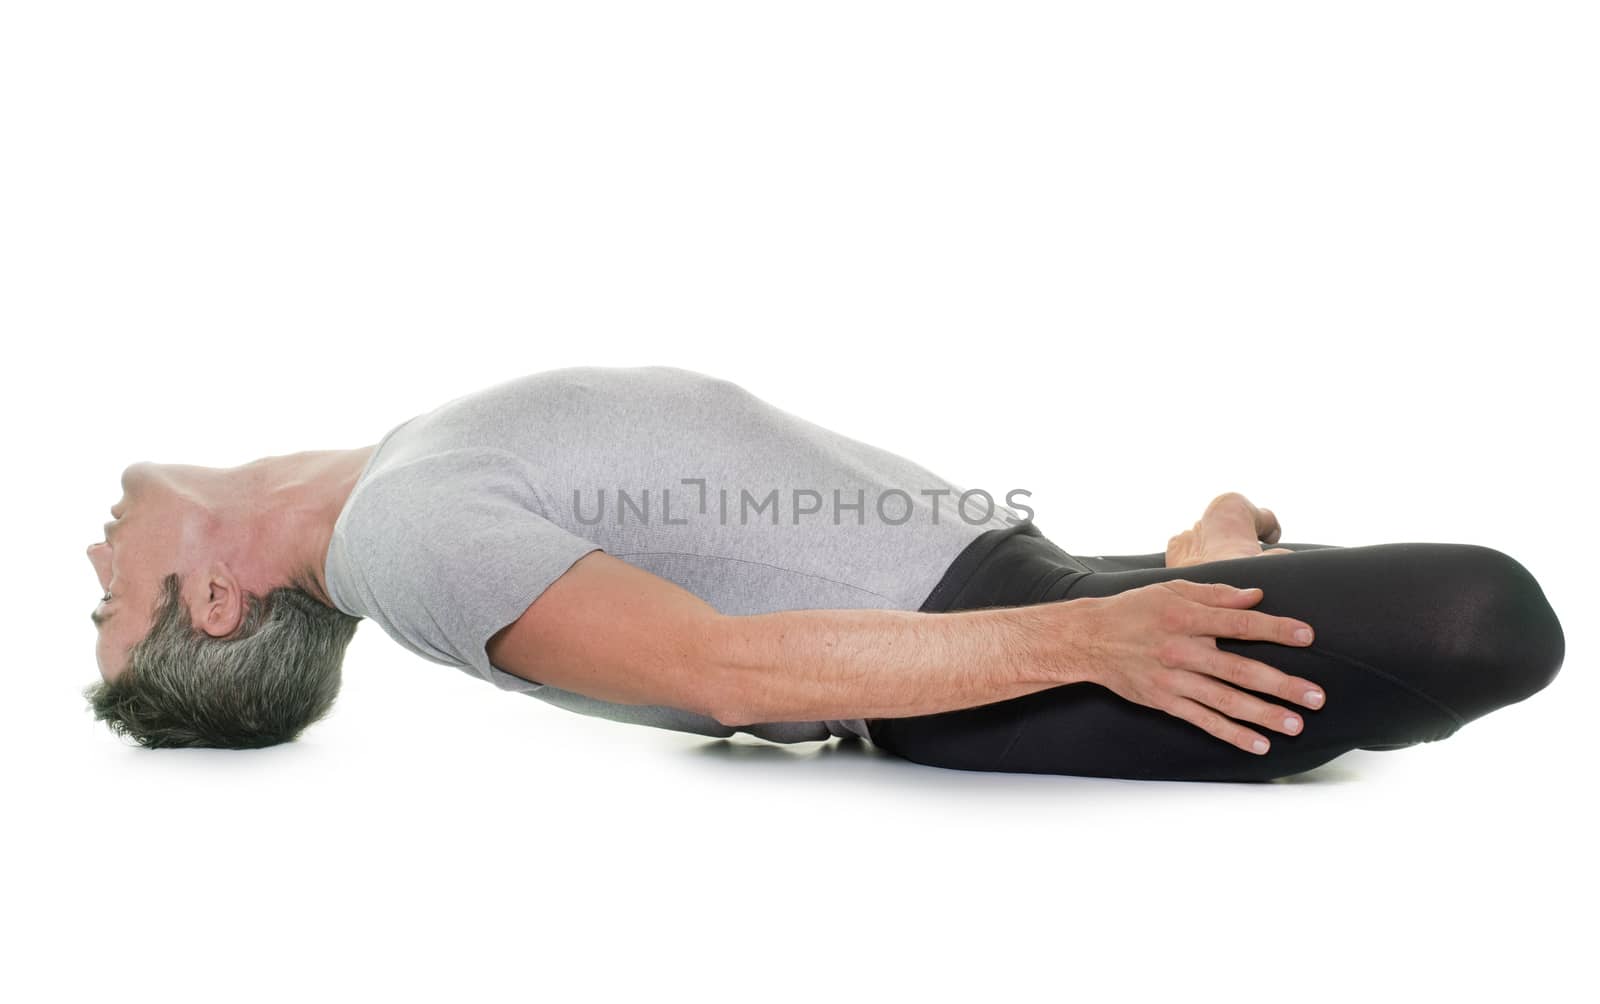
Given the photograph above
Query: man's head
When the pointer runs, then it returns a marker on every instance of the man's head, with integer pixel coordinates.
(210, 632)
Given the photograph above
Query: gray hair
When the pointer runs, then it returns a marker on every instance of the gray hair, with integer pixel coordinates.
(260, 686)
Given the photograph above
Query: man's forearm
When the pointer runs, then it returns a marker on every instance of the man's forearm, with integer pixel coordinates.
(808, 665)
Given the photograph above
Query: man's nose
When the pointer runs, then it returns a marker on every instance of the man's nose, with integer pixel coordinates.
(132, 473)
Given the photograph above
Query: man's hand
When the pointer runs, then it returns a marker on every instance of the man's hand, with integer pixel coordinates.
(1157, 646)
(1231, 527)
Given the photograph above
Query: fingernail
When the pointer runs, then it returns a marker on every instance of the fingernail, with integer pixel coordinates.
(1260, 745)
(1302, 635)
(1291, 725)
(1314, 698)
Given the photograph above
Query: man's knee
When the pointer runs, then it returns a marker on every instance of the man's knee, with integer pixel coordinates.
(1507, 638)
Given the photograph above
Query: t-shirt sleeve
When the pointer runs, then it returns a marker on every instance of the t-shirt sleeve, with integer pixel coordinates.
(452, 551)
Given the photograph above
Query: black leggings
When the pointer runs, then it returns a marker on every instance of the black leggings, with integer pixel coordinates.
(1412, 641)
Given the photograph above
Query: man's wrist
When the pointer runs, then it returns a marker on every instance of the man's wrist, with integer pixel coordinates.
(1054, 642)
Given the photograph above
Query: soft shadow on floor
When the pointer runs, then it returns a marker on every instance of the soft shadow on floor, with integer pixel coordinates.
(830, 761)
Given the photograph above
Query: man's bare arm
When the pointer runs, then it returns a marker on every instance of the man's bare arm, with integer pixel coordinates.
(806, 665)
(614, 632)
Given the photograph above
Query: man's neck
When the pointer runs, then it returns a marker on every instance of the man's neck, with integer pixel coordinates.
(290, 504)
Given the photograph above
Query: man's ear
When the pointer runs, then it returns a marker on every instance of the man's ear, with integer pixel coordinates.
(220, 609)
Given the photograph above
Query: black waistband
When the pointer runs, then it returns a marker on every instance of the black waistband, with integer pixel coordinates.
(971, 556)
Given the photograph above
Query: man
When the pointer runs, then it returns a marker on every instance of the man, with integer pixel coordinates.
(661, 547)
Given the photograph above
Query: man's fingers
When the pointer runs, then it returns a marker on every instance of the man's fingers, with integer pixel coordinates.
(1219, 594)
(1248, 625)
(1241, 706)
(1252, 674)
(1201, 617)
(1224, 728)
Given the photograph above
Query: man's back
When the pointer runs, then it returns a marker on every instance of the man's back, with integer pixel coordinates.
(465, 514)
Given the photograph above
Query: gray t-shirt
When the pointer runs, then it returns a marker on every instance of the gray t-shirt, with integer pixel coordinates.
(465, 514)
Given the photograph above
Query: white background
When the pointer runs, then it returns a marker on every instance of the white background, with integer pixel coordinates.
(1341, 258)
